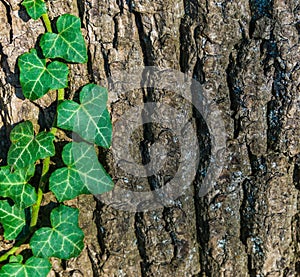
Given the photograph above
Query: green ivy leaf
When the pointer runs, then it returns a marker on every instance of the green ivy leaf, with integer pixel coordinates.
(68, 44)
(12, 218)
(83, 174)
(64, 240)
(37, 78)
(16, 259)
(35, 8)
(35, 267)
(27, 148)
(15, 185)
(90, 119)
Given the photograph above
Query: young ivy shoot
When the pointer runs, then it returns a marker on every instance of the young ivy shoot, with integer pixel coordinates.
(41, 70)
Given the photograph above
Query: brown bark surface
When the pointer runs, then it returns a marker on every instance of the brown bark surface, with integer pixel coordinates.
(247, 54)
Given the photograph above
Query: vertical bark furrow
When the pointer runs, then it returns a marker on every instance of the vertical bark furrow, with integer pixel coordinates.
(191, 63)
(9, 19)
(141, 225)
(276, 105)
(295, 223)
(81, 11)
(145, 41)
(9, 74)
(185, 43)
(259, 9)
(120, 4)
(141, 243)
(116, 30)
(203, 232)
(202, 203)
(91, 73)
(252, 210)
(236, 84)
(175, 246)
(106, 62)
(101, 231)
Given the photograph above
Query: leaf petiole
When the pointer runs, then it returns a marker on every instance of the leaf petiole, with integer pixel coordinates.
(5, 256)
(60, 95)
(46, 161)
(15, 249)
(47, 22)
(35, 209)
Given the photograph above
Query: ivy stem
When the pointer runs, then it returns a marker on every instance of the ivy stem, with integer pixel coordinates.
(8, 253)
(60, 95)
(37, 205)
(46, 161)
(47, 22)
(18, 247)
(45, 169)
(35, 209)
(46, 164)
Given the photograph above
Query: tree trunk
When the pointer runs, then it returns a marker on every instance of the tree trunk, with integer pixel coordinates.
(246, 53)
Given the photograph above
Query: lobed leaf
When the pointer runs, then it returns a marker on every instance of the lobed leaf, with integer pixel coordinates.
(15, 185)
(12, 218)
(64, 240)
(16, 259)
(35, 267)
(90, 119)
(37, 78)
(68, 44)
(83, 174)
(27, 148)
(35, 8)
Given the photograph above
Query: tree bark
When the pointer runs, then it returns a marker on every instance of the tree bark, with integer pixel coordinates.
(247, 54)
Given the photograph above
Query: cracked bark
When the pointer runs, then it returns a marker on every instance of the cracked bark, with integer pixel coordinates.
(248, 52)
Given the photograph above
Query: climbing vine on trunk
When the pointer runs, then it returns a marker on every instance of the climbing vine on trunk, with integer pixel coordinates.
(41, 70)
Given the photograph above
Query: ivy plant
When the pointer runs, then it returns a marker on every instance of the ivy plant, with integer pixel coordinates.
(22, 186)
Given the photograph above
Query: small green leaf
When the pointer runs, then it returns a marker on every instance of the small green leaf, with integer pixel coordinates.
(35, 8)
(64, 240)
(12, 218)
(35, 267)
(15, 185)
(27, 148)
(37, 78)
(68, 44)
(83, 174)
(90, 119)
(16, 259)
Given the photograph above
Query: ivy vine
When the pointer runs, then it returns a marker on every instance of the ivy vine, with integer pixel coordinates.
(20, 194)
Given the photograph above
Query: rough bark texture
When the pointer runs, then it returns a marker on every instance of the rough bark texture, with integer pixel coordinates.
(247, 53)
